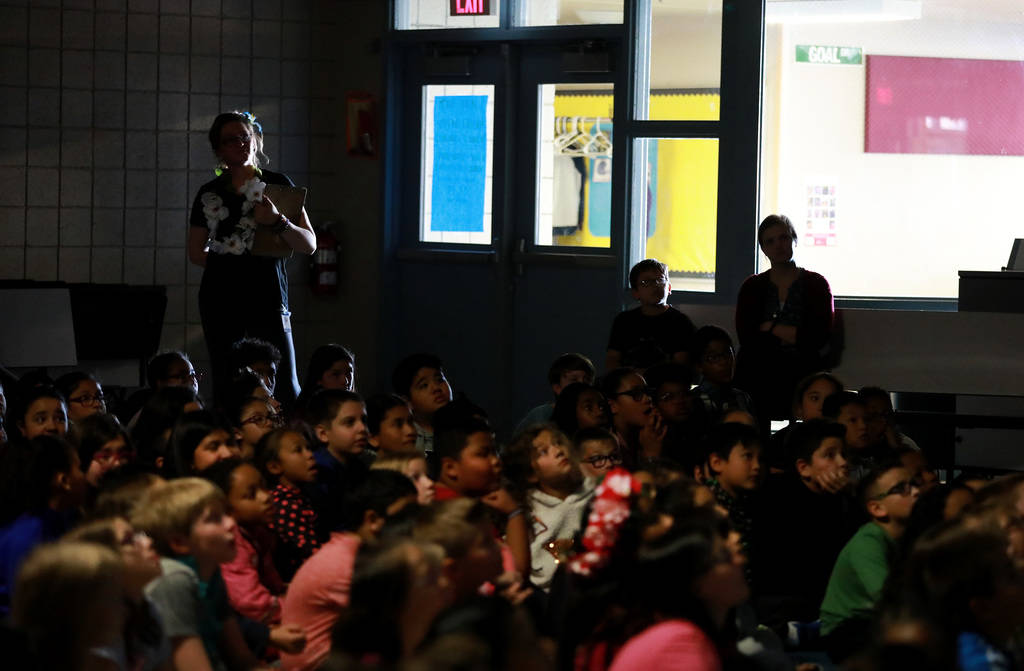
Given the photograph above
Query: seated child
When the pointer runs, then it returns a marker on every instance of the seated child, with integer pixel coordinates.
(40, 410)
(194, 535)
(597, 452)
(42, 489)
(914, 461)
(713, 357)
(964, 580)
(655, 322)
(637, 425)
(413, 466)
(847, 408)
(540, 464)
(734, 474)
(674, 401)
(164, 370)
(390, 424)
(55, 608)
(145, 644)
(566, 369)
(467, 466)
(319, 592)
(199, 440)
(102, 446)
(880, 419)
(580, 406)
(808, 396)
(83, 393)
(807, 519)
(331, 366)
(887, 493)
(285, 459)
(253, 583)
(252, 418)
(339, 424)
(390, 631)
(151, 433)
(420, 379)
(259, 356)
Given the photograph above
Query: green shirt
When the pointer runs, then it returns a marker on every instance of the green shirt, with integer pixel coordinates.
(855, 586)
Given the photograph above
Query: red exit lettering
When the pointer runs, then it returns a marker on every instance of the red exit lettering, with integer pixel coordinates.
(470, 7)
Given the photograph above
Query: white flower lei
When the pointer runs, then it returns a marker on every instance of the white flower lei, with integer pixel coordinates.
(241, 239)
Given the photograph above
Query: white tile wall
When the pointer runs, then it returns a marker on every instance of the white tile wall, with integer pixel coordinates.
(104, 110)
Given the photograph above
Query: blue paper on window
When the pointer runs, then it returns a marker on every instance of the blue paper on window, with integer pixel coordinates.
(460, 163)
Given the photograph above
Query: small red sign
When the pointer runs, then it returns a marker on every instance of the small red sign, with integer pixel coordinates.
(470, 7)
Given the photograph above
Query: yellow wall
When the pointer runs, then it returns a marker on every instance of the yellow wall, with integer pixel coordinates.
(687, 183)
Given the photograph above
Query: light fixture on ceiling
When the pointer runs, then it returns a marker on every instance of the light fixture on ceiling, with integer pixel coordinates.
(841, 11)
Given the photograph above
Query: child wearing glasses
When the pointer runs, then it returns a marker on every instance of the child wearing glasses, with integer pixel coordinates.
(253, 417)
(637, 425)
(715, 362)
(597, 452)
(888, 493)
(654, 324)
(540, 463)
(83, 393)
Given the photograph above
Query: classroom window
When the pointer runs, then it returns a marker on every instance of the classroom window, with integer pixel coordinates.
(457, 164)
(574, 165)
(685, 59)
(678, 210)
(567, 12)
(892, 139)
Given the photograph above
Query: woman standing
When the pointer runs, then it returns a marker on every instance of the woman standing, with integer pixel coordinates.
(784, 323)
(242, 294)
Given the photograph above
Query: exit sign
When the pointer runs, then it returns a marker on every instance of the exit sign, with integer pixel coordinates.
(470, 7)
(806, 53)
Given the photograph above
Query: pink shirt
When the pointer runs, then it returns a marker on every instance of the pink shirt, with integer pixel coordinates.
(316, 596)
(668, 646)
(252, 581)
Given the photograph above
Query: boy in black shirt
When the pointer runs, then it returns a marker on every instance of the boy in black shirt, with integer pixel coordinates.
(654, 326)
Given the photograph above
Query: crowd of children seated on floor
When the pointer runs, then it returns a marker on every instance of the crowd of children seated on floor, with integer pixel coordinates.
(640, 520)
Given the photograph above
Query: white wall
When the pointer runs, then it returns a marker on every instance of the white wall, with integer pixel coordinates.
(906, 222)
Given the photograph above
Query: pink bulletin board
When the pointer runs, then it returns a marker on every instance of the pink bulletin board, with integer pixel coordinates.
(944, 106)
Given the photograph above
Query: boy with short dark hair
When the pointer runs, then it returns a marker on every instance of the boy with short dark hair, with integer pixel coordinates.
(420, 379)
(674, 400)
(734, 469)
(339, 424)
(713, 357)
(888, 493)
(260, 356)
(847, 408)
(655, 325)
(190, 529)
(808, 517)
(566, 369)
(390, 424)
(320, 589)
(466, 465)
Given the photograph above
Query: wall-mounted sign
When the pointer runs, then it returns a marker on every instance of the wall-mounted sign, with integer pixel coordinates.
(469, 7)
(806, 53)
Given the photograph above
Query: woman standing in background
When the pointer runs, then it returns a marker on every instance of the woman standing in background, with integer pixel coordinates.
(242, 294)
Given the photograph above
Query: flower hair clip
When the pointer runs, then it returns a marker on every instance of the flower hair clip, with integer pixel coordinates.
(252, 120)
(609, 512)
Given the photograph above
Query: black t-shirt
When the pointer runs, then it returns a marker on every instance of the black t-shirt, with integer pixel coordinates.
(636, 334)
(232, 273)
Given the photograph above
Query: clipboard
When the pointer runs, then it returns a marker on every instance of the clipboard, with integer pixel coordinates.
(289, 201)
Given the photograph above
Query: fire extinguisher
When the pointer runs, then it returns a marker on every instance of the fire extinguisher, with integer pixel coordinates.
(323, 265)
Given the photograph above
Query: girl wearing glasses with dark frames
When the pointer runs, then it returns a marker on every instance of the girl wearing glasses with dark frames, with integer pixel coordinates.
(635, 421)
(242, 294)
